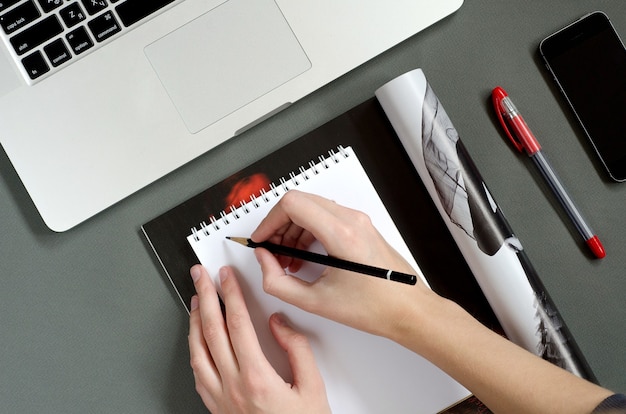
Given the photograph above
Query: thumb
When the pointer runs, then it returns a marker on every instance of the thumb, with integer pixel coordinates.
(281, 285)
(299, 353)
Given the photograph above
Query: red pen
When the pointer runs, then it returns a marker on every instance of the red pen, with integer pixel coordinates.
(523, 139)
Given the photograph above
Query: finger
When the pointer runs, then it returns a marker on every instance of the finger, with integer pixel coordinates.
(208, 398)
(287, 235)
(285, 287)
(307, 211)
(335, 226)
(299, 353)
(204, 369)
(214, 330)
(304, 239)
(321, 219)
(290, 237)
(295, 236)
(243, 337)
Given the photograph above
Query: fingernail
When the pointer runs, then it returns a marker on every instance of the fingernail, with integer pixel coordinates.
(194, 303)
(278, 318)
(195, 273)
(224, 273)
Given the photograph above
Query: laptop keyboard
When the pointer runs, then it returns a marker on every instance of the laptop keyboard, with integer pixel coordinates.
(46, 35)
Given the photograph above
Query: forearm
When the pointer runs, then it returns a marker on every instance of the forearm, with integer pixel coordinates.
(502, 375)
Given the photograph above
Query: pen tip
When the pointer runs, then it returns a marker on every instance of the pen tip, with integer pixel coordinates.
(596, 247)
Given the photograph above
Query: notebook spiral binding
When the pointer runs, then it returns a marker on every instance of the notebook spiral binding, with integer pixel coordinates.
(276, 190)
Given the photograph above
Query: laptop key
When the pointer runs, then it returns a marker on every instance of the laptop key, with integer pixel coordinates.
(19, 17)
(104, 26)
(79, 40)
(57, 52)
(36, 34)
(132, 11)
(72, 15)
(49, 5)
(5, 4)
(94, 6)
(35, 65)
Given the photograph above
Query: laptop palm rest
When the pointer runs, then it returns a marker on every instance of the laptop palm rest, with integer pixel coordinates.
(225, 59)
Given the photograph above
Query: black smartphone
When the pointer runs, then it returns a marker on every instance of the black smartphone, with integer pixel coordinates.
(587, 59)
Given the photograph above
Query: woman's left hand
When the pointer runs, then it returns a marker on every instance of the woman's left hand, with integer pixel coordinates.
(231, 372)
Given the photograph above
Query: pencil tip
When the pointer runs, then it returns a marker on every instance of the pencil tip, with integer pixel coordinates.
(240, 240)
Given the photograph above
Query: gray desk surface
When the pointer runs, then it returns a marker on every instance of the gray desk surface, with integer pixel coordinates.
(88, 323)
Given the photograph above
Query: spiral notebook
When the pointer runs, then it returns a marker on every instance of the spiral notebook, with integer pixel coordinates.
(363, 373)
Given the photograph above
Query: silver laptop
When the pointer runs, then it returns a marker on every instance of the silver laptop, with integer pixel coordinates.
(99, 98)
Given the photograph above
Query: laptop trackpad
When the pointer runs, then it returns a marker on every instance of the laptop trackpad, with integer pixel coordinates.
(225, 59)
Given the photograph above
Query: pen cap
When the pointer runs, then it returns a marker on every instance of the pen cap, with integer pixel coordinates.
(521, 136)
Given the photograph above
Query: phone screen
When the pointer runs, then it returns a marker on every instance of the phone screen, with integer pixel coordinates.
(588, 61)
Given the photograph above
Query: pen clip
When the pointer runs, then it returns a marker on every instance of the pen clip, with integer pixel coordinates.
(497, 95)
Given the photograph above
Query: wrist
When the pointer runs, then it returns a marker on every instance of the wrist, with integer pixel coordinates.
(425, 324)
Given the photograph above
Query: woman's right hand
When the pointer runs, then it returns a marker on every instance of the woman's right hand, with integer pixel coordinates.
(367, 303)
(499, 373)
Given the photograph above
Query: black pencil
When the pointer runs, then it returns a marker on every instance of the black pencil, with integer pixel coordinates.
(329, 261)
